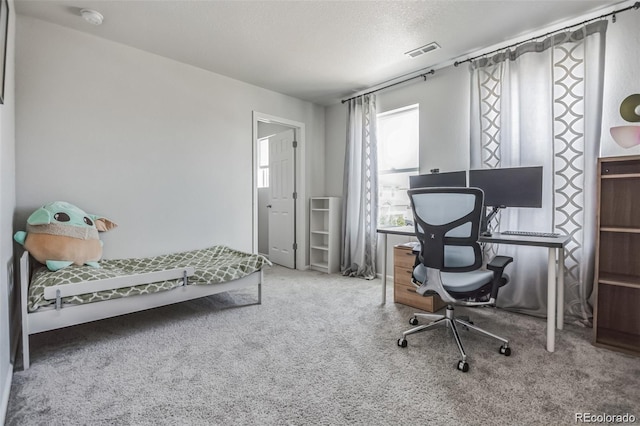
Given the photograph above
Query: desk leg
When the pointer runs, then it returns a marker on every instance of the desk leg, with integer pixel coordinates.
(560, 301)
(551, 300)
(384, 269)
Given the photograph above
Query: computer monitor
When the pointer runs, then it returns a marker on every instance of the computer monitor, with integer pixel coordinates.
(449, 179)
(509, 187)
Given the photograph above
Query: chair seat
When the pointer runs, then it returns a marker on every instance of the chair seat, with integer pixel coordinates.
(458, 282)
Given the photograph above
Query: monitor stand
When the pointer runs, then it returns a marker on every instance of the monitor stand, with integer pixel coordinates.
(486, 220)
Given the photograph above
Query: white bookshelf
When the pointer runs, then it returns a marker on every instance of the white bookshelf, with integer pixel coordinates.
(324, 230)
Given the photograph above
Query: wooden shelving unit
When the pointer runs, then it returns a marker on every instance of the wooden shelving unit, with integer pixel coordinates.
(324, 238)
(616, 322)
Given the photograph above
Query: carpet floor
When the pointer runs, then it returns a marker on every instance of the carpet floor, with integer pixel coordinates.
(319, 350)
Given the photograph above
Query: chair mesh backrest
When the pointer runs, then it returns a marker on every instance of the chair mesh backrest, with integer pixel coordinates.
(447, 222)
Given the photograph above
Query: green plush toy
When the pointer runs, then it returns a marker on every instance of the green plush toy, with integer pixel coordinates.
(60, 234)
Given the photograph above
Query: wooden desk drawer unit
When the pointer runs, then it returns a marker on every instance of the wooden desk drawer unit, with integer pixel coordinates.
(403, 291)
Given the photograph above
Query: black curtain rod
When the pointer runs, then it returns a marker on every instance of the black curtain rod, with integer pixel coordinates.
(636, 5)
(424, 75)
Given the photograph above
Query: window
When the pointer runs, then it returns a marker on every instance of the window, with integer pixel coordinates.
(397, 160)
(263, 163)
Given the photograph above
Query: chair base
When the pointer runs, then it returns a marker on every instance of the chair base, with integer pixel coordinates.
(449, 320)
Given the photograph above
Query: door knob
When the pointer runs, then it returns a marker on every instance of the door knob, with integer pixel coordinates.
(269, 206)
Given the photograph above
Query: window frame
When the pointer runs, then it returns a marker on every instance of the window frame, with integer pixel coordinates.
(262, 171)
(394, 218)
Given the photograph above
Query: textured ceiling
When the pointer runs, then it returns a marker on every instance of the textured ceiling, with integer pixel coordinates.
(320, 51)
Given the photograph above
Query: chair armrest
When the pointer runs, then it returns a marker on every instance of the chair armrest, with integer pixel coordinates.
(497, 265)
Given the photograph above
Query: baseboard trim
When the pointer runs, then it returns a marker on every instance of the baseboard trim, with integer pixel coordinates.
(389, 277)
(4, 403)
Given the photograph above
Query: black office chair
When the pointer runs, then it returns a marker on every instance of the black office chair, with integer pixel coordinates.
(450, 262)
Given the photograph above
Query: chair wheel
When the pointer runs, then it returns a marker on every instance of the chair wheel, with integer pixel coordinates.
(402, 342)
(413, 321)
(463, 366)
(505, 351)
(466, 318)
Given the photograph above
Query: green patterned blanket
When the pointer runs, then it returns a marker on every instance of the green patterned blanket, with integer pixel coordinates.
(212, 265)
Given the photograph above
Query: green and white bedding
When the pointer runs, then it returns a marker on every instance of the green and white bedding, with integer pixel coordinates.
(212, 265)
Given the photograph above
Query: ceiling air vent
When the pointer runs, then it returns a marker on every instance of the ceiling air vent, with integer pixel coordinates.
(422, 50)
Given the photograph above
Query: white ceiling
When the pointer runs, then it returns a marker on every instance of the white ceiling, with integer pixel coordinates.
(320, 51)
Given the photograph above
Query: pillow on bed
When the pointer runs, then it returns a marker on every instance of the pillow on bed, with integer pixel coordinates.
(60, 234)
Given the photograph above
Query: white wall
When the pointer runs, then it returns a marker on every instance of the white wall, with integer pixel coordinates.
(444, 117)
(621, 78)
(336, 140)
(444, 130)
(444, 123)
(269, 129)
(8, 291)
(444, 111)
(162, 148)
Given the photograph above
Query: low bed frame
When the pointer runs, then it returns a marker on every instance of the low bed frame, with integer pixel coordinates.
(68, 315)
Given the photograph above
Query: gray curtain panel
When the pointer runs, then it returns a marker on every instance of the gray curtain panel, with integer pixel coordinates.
(541, 104)
(360, 206)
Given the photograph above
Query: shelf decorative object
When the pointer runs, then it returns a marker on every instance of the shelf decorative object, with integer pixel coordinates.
(628, 136)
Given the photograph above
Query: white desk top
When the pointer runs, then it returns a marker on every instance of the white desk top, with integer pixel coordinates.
(496, 237)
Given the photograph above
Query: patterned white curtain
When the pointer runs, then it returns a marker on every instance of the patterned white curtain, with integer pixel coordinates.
(541, 104)
(359, 209)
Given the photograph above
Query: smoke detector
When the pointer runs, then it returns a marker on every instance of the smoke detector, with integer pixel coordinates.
(91, 16)
(422, 50)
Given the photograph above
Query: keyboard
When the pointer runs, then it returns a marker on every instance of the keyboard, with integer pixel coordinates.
(531, 234)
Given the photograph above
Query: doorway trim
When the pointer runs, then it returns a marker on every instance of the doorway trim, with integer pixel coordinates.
(300, 173)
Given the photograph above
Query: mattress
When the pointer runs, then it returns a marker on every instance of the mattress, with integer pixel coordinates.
(212, 265)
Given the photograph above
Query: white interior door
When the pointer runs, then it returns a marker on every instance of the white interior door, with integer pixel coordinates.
(281, 199)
